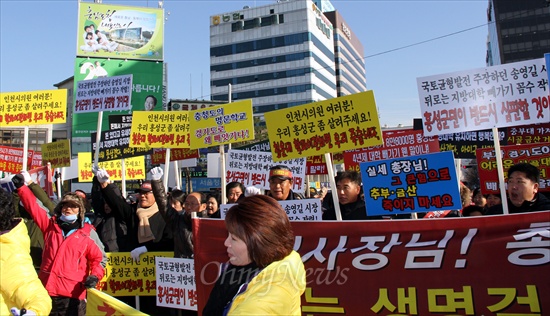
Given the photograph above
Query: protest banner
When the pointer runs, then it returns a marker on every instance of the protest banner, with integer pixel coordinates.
(58, 153)
(252, 168)
(160, 129)
(484, 98)
(221, 124)
(176, 287)
(159, 155)
(41, 176)
(146, 87)
(103, 94)
(487, 265)
(296, 210)
(11, 159)
(334, 125)
(118, 121)
(114, 145)
(537, 154)
(411, 184)
(126, 277)
(397, 144)
(33, 107)
(135, 168)
(99, 303)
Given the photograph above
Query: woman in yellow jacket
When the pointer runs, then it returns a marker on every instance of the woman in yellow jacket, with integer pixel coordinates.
(264, 276)
(20, 287)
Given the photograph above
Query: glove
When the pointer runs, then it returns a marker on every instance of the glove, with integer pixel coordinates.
(27, 176)
(137, 252)
(91, 282)
(252, 190)
(156, 173)
(95, 169)
(18, 180)
(16, 312)
(102, 175)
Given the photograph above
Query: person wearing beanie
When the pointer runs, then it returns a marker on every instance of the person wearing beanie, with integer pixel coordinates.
(73, 259)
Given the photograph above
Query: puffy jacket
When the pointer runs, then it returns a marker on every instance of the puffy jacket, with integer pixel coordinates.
(276, 290)
(541, 203)
(19, 285)
(66, 260)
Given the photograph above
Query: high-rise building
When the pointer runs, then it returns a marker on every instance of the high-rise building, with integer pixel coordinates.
(281, 55)
(518, 30)
(349, 57)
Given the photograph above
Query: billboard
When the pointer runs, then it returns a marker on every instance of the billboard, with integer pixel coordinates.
(146, 89)
(115, 31)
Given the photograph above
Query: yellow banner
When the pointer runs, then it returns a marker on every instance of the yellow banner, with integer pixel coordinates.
(160, 129)
(135, 168)
(329, 126)
(57, 153)
(125, 277)
(222, 124)
(33, 107)
(102, 304)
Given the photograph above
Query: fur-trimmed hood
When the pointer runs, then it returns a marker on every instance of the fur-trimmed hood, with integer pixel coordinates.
(75, 199)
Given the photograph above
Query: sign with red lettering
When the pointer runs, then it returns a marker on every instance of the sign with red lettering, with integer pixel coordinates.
(486, 265)
(329, 126)
(103, 94)
(11, 159)
(252, 168)
(176, 287)
(397, 144)
(159, 155)
(33, 108)
(411, 184)
(535, 154)
(498, 96)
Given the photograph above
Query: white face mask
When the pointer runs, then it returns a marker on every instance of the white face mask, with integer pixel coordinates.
(68, 218)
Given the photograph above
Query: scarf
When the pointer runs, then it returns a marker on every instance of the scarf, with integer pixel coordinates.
(144, 229)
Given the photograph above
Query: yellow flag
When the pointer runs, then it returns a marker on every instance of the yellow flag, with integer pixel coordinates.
(102, 304)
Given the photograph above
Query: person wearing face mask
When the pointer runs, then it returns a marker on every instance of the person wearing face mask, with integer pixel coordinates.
(73, 259)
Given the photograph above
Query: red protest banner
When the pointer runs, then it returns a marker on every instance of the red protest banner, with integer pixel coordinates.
(465, 266)
(11, 159)
(536, 154)
(397, 144)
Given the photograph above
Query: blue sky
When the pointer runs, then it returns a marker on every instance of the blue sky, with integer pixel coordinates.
(403, 40)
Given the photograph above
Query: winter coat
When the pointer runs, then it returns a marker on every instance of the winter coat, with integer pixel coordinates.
(69, 259)
(127, 213)
(178, 222)
(19, 284)
(541, 203)
(351, 211)
(276, 290)
(110, 227)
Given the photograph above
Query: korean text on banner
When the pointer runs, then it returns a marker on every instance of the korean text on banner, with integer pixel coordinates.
(146, 90)
(160, 129)
(114, 145)
(252, 168)
(33, 108)
(411, 184)
(104, 94)
(329, 126)
(221, 124)
(126, 277)
(483, 98)
(397, 144)
(296, 210)
(121, 32)
(458, 266)
(11, 159)
(135, 168)
(537, 154)
(58, 153)
(176, 286)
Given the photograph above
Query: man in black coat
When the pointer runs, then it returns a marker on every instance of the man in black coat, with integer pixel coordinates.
(350, 197)
(523, 195)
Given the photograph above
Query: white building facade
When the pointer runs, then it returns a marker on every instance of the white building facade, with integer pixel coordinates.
(280, 55)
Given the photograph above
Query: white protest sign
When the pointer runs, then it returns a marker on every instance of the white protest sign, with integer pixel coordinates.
(176, 286)
(297, 210)
(104, 94)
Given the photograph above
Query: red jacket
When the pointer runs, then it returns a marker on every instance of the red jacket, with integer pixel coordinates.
(66, 261)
